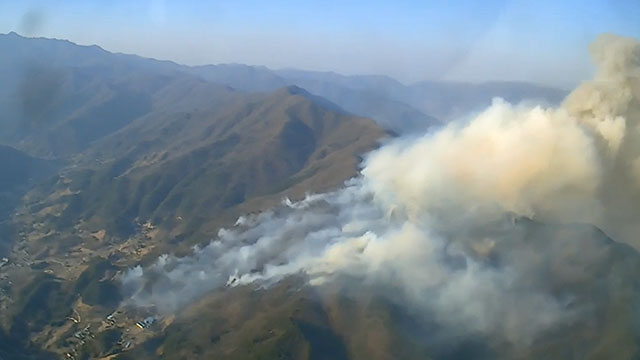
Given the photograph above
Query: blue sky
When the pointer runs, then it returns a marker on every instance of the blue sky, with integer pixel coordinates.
(540, 41)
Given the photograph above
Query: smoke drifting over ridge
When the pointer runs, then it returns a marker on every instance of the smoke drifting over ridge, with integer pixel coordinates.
(460, 220)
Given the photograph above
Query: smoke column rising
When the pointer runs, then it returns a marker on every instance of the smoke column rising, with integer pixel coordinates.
(443, 217)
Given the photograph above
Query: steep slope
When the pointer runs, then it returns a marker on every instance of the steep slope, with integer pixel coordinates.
(64, 118)
(147, 140)
(18, 172)
(19, 169)
(59, 112)
(192, 169)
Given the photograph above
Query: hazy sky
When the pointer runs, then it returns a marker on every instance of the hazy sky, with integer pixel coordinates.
(540, 41)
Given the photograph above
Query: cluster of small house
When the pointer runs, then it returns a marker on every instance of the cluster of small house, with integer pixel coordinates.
(80, 335)
(124, 343)
(146, 322)
(112, 319)
(84, 333)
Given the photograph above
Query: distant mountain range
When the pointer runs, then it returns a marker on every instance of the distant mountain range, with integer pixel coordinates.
(393, 105)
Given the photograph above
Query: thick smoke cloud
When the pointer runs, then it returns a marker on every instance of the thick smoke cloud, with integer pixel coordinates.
(453, 221)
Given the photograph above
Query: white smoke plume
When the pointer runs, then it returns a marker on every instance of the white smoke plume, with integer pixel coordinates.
(439, 219)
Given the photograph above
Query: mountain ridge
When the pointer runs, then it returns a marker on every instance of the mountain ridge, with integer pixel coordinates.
(396, 106)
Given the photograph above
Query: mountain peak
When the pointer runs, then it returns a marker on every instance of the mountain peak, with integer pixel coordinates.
(13, 34)
(294, 90)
